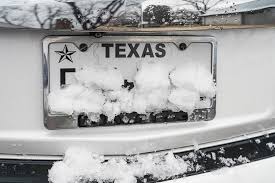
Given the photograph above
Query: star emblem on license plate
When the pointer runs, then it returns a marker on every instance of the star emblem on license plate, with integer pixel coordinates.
(65, 54)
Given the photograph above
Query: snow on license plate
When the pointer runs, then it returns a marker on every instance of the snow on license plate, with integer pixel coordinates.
(65, 56)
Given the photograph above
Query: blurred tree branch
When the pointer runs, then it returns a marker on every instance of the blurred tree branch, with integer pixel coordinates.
(202, 6)
(5, 15)
(50, 16)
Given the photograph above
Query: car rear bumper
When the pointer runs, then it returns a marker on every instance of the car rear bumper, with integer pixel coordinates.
(254, 172)
(247, 160)
(245, 100)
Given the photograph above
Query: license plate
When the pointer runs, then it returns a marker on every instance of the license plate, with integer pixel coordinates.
(65, 55)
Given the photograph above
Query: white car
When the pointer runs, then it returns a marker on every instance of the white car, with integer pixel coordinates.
(86, 98)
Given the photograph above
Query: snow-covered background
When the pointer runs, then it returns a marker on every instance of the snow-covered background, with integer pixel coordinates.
(61, 14)
(181, 3)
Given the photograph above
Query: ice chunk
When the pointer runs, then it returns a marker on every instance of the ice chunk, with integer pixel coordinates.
(194, 77)
(258, 141)
(89, 101)
(111, 109)
(76, 98)
(119, 101)
(160, 166)
(150, 100)
(271, 146)
(62, 100)
(79, 164)
(103, 77)
(184, 99)
(205, 103)
(61, 168)
(231, 162)
(242, 159)
(227, 161)
(153, 75)
(157, 87)
(124, 97)
(153, 87)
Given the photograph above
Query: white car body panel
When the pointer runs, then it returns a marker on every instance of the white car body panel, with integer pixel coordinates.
(245, 100)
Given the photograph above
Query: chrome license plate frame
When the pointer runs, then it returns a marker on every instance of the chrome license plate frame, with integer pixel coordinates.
(60, 121)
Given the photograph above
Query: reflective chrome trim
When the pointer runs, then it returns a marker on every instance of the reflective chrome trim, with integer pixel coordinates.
(60, 121)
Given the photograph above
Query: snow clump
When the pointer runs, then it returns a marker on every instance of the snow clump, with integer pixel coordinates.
(271, 146)
(194, 77)
(76, 98)
(101, 77)
(152, 88)
(157, 87)
(79, 164)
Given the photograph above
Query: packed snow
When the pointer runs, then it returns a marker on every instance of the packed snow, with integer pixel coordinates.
(80, 165)
(271, 146)
(231, 162)
(157, 86)
(195, 78)
(76, 98)
(100, 77)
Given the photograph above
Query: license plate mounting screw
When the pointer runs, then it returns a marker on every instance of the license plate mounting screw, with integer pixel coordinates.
(182, 46)
(83, 47)
(98, 34)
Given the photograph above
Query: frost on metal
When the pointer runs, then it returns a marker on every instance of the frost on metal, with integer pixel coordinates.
(100, 90)
(79, 165)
